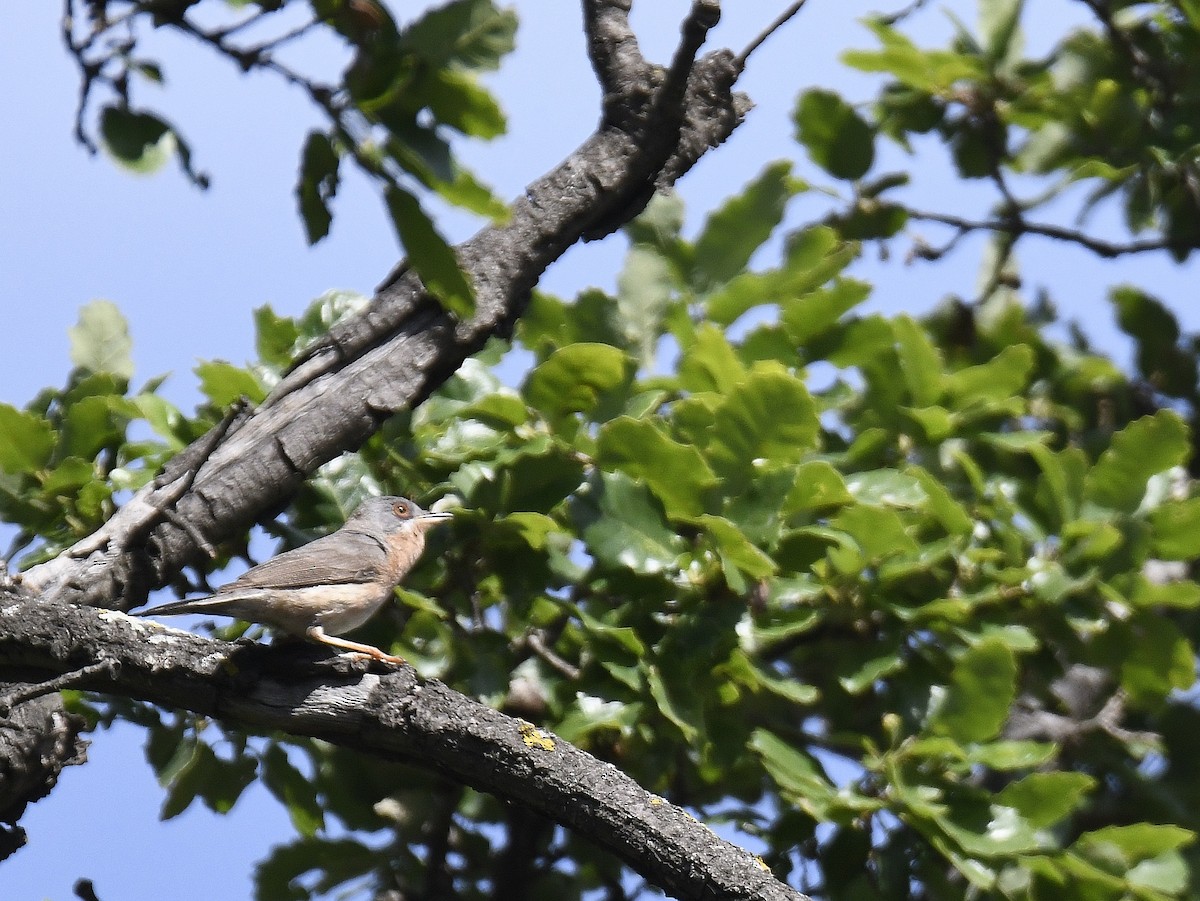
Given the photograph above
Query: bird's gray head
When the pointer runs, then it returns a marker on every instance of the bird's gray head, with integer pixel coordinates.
(389, 515)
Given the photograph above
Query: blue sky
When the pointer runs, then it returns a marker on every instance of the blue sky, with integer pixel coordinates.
(187, 268)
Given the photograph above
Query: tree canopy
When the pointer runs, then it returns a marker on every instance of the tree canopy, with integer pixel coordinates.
(902, 605)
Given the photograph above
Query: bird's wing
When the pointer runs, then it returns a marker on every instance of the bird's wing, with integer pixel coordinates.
(340, 558)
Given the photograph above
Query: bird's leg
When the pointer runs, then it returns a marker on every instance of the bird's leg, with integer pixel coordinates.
(316, 633)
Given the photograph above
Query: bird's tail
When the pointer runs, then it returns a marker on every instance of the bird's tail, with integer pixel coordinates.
(193, 605)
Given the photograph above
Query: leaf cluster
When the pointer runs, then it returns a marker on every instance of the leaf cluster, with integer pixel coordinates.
(902, 599)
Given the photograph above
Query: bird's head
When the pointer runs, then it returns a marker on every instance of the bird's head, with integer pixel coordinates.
(391, 515)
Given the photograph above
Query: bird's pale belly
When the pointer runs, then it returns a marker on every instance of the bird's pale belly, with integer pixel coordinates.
(335, 608)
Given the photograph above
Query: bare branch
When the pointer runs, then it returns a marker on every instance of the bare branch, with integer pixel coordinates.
(1016, 228)
(782, 19)
(27, 692)
(391, 713)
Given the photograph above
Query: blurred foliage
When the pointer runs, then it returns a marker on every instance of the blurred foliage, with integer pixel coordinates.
(1115, 108)
(906, 605)
(390, 113)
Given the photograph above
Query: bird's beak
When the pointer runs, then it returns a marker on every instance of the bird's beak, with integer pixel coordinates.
(428, 520)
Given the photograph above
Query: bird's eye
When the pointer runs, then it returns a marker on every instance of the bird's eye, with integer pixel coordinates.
(400, 509)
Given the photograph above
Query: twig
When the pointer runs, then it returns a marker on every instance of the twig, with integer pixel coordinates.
(110, 668)
(1106, 249)
(84, 890)
(537, 644)
(780, 21)
(902, 14)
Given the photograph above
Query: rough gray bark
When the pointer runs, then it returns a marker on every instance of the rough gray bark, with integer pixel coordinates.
(386, 711)
(37, 739)
(656, 124)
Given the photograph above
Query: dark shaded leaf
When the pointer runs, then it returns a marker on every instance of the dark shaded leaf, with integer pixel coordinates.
(317, 185)
(837, 138)
(429, 254)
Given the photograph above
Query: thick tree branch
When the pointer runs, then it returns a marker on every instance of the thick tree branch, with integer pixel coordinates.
(390, 713)
(404, 344)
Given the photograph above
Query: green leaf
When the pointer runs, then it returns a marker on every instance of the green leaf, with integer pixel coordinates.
(745, 671)
(740, 226)
(941, 503)
(814, 256)
(630, 531)
(801, 779)
(999, 27)
(888, 488)
(68, 477)
(624, 638)
(1182, 595)
(671, 706)
(164, 418)
(1002, 377)
(141, 142)
(1045, 798)
(534, 478)
(838, 139)
(818, 486)
(645, 287)
(429, 254)
(1012, 755)
(223, 383)
(710, 363)
(1160, 359)
(471, 34)
(275, 337)
(532, 528)
(770, 417)
(675, 472)
(100, 341)
(859, 670)
(1176, 528)
(930, 71)
(735, 549)
(296, 793)
(277, 878)
(1142, 449)
(878, 531)
(1116, 849)
(94, 423)
(810, 315)
(317, 185)
(460, 102)
(216, 781)
(27, 443)
(1168, 873)
(573, 379)
(982, 688)
(1159, 658)
(920, 362)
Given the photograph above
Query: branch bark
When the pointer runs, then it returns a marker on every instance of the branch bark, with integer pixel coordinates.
(388, 712)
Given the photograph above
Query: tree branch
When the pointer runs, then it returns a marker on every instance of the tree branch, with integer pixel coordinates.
(1107, 249)
(393, 355)
(387, 712)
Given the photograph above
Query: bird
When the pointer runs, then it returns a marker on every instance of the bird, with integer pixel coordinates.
(331, 585)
